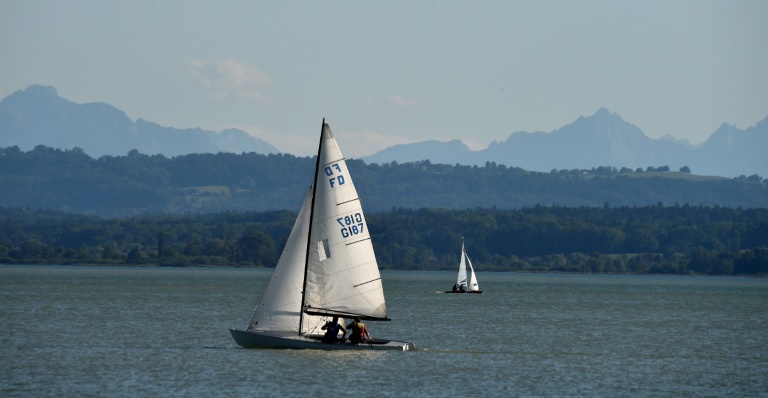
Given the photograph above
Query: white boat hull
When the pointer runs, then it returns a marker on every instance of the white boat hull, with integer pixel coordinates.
(471, 291)
(250, 339)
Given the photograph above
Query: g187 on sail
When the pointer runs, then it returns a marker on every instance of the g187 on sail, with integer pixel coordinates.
(327, 270)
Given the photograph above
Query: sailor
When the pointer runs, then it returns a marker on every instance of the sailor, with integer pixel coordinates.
(359, 332)
(332, 331)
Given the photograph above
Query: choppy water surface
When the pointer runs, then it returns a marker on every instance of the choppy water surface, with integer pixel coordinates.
(119, 331)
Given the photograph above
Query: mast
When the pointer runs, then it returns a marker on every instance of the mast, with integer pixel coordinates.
(309, 231)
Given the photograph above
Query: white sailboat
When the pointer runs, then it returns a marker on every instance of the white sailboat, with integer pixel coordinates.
(464, 284)
(327, 269)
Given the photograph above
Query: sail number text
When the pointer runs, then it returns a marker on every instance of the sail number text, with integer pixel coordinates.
(351, 225)
(335, 179)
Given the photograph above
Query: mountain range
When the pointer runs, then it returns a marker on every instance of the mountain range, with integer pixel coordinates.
(38, 116)
(603, 139)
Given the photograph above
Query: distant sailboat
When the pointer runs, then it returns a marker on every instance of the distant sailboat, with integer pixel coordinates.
(464, 284)
(327, 269)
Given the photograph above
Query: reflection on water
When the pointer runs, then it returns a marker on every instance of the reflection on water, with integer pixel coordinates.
(113, 331)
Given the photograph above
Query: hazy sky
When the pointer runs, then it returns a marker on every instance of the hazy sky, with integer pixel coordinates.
(389, 72)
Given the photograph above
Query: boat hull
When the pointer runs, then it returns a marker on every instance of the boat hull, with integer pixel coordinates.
(250, 339)
(473, 291)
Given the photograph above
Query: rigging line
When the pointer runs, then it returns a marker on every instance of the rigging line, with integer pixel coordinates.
(370, 281)
(358, 241)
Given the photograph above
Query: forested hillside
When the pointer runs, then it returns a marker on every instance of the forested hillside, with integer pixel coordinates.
(651, 239)
(70, 180)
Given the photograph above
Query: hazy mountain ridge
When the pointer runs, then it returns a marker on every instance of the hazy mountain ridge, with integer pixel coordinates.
(604, 139)
(38, 116)
(439, 152)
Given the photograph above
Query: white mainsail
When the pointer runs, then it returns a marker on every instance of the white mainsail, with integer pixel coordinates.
(462, 277)
(342, 276)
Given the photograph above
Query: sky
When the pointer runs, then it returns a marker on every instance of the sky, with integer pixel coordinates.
(395, 72)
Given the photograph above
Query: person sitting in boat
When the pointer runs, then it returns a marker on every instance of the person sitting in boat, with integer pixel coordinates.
(359, 333)
(455, 287)
(463, 288)
(332, 331)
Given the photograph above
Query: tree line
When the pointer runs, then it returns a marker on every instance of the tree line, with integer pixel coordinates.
(679, 239)
(119, 186)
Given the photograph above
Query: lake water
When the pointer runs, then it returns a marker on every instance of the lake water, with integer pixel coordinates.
(120, 331)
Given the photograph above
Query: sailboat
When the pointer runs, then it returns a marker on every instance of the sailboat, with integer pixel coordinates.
(328, 268)
(464, 284)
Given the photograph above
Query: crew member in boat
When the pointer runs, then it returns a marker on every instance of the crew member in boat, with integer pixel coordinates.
(332, 331)
(455, 287)
(463, 288)
(359, 332)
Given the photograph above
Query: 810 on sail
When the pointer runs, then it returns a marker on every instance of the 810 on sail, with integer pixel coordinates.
(351, 225)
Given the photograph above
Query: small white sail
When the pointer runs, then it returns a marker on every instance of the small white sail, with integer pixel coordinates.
(464, 284)
(473, 286)
(342, 274)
